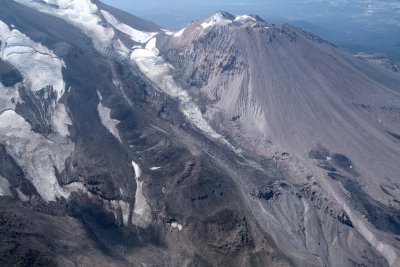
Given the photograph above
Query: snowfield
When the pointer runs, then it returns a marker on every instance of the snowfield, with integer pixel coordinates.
(244, 18)
(39, 65)
(41, 70)
(217, 19)
(37, 154)
(135, 35)
(82, 14)
(105, 118)
(141, 215)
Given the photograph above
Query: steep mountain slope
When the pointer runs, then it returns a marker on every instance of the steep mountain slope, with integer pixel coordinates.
(108, 155)
(280, 89)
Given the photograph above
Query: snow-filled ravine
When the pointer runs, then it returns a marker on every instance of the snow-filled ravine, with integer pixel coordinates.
(159, 72)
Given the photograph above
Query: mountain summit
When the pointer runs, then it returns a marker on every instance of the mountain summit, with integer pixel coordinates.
(231, 142)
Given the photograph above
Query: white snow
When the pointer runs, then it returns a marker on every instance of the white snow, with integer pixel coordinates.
(137, 170)
(141, 215)
(167, 32)
(22, 196)
(114, 206)
(121, 49)
(61, 120)
(105, 118)
(159, 71)
(39, 66)
(77, 187)
(36, 154)
(151, 45)
(244, 18)
(41, 70)
(82, 14)
(179, 33)
(177, 226)
(4, 187)
(155, 168)
(135, 35)
(217, 19)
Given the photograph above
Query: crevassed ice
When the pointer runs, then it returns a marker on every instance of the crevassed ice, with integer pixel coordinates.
(38, 65)
(40, 68)
(4, 187)
(179, 33)
(36, 154)
(243, 18)
(81, 13)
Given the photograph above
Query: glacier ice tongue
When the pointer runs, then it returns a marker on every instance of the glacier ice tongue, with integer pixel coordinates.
(41, 70)
(37, 155)
(39, 65)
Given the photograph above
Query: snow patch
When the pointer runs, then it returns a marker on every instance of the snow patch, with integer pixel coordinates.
(137, 170)
(135, 35)
(115, 205)
(155, 168)
(105, 118)
(61, 120)
(141, 215)
(6, 94)
(39, 66)
(177, 226)
(179, 33)
(4, 187)
(217, 19)
(244, 18)
(151, 45)
(40, 69)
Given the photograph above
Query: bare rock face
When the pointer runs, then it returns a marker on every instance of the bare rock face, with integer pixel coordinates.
(232, 142)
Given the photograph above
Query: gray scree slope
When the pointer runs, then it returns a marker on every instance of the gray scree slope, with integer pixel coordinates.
(232, 142)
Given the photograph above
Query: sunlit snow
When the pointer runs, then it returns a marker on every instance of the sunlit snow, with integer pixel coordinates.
(83, 14)
(105, 118)
(135, 35)
(141, 212)
(36, 154)
(217, 19)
